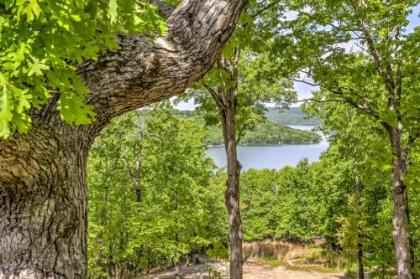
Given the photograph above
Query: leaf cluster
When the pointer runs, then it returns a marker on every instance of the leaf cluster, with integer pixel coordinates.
(42, 42)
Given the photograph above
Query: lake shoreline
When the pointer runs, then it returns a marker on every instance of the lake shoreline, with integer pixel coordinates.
(267, 144)
(271, 156)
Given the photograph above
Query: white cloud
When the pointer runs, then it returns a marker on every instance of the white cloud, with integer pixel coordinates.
(188, 105)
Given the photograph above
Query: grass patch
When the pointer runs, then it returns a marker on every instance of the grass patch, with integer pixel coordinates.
(313, 268)
(319, 259)
(310, 258)
(269, 261)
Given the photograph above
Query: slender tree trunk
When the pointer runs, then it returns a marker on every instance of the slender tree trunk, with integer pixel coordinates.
(232, 186)
(361, 272)
(135, 174)
(399, 220)
(225, 98)
(137, 184)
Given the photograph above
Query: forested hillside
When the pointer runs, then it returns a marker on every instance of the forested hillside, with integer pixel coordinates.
(265, 131)
(169, 207)
(268, 133)
(290, 116)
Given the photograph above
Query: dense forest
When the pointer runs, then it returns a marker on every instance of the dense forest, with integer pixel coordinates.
(100, 177)
(169, 208)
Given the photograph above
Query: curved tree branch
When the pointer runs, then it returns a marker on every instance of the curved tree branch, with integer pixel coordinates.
(143, 71)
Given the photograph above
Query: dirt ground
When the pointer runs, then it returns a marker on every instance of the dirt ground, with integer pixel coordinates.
(251, 271)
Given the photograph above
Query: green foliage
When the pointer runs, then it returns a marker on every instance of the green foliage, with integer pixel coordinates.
(362, 57)
(302, 202)
(292, 203)
(152, 197)
(270, 133)
(258, 203)
(358, 142)
(412, 179)
(42, 42)
(359, 54)
(298, 206)
(254, 88)
(181, 211)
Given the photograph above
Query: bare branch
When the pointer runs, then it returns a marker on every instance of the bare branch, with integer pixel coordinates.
(316, 100)
(269, 6)
(215, 96)
(305, 82)
(361, 107)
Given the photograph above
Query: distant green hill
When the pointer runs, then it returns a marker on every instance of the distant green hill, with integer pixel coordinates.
(267, 132)
(291, 116)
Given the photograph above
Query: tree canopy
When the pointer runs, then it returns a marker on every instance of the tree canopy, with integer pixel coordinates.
(42, 43)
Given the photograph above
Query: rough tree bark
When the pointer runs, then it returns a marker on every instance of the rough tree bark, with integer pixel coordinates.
(225, 99)
(399, 220)
(232, 188)
(43, 202)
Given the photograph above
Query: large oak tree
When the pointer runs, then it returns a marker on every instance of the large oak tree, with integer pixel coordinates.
(43, 208)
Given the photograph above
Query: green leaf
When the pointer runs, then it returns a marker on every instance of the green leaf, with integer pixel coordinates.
(43, 41)
(32, 10)
(5, 111)
(74, 110)
(113, 11)
(37, 67)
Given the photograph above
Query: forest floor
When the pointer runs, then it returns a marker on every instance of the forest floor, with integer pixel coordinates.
(251, 270)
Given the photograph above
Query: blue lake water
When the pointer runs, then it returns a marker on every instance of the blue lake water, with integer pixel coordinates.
(271, 156)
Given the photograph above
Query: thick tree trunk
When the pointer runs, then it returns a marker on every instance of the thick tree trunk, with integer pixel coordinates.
(399, 220)
(43, 203)
(232, 187)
